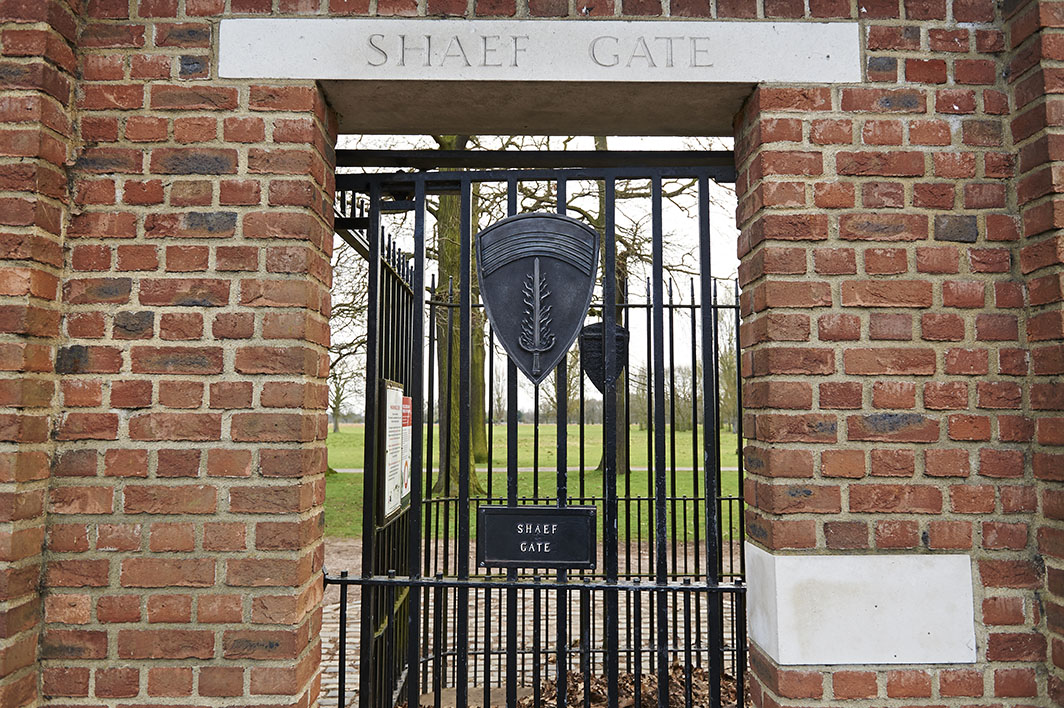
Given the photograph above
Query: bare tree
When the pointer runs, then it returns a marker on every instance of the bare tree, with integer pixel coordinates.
(343, 376)
(347, 324)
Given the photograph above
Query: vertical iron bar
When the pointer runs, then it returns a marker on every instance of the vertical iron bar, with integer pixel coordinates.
(672, 435)
(438, 605)
(561, 376)
(609, 442)
(687, 688)
(464, 403)
(637, 643)
(710, 437)
(341, 688)
(369, 472)
(511, 492)
(416, 391)
(491, 409)
(445, 430)
(716, 431)
(651, 428)
(658, 337)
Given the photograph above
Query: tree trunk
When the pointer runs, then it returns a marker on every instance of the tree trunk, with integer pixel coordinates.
(479, 390)
(620, 281)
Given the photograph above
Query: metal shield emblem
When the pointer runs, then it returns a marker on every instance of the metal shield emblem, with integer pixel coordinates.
(592, 359)
(537, 275)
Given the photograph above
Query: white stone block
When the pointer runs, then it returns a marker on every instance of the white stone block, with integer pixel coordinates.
(861, 609)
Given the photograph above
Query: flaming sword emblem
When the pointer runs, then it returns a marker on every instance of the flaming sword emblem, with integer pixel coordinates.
(536, 335)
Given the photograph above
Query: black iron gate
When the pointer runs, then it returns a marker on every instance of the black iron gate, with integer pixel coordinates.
(660, 619)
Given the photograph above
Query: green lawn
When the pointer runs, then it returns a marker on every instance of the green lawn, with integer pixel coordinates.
(343, 492)
(346, 447)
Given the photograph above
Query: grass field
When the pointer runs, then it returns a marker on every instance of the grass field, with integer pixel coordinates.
(344, 492)
(346, 447)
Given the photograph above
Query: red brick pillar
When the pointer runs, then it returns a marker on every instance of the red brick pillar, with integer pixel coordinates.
(884, 376)
(1035, 32)
(37, 66)
(184, 550)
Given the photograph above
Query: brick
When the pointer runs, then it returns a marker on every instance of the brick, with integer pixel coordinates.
(893, 394)
(941, 327)
(181, 326)
(969, 427)
(998, 611)
(170, 681)
(240, 193)
(883, 227)
(831, 132)
(126, 463)
(221, 536)
(117, 683)
(178, 463)
(1009, 574)
(1001, 464)
(893, 293)
(165, 644)
(226, 681)
(176, 360)
(118, 608)
(949, 535)
(183, 499)
(1004, 536)
(835, 261)
(197, 129)
(849, 685)
(118, 537)
(833, 195)
(945, 462)
(1013, 683)
(908, 684)
(896, 534)
(169, 608)
(229, 463)
(65, 681)
(896, 361)
(861, 100)
(194, 161)
(840, 395)
(882, 164)
(160, 573)
(172, 537)
(892, 463)
(893, 498)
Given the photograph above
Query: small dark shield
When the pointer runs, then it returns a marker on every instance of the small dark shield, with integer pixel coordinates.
(537, 274)
(592, 359)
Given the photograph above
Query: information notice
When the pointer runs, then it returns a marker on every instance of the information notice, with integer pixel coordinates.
(392, 487)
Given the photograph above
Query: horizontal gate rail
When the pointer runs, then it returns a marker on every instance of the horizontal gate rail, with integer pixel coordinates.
(722, 161)
(534, 582)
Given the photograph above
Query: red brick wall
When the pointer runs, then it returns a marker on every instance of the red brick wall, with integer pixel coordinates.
(885, 325)
(166, 238)
(37, 70)
(184, 551)
(1035, 36)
